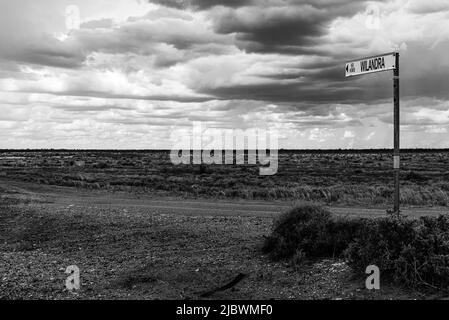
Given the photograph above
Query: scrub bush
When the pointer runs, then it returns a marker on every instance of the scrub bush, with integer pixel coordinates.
(311, 229)
(413, 252)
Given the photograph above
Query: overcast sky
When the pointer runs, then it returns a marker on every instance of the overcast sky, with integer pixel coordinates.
(132, 73)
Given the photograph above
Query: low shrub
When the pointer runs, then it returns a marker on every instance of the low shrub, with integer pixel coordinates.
(311, 229)
(413, 252)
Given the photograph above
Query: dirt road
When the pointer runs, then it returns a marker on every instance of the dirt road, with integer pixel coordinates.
(65, 196)
(131, 246)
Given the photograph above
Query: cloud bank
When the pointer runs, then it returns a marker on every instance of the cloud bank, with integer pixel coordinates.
(133, 71)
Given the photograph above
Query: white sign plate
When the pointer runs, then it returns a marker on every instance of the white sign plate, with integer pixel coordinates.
(371, 64)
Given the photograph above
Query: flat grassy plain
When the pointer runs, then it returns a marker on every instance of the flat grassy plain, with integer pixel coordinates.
(141, 252)
(330, 178)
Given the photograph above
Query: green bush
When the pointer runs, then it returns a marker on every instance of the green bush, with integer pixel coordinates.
(410, 251)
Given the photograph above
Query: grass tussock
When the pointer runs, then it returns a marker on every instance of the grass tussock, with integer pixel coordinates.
(412, 252)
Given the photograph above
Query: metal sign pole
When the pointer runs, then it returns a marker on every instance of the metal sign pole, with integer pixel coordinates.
(379, 63)
(396, 155)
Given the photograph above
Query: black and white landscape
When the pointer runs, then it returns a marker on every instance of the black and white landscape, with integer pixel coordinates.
(218, 149)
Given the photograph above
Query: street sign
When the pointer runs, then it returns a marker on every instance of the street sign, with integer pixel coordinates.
(384, 62)
(371, 64)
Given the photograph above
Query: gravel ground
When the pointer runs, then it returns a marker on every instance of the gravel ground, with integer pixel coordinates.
(143, 254)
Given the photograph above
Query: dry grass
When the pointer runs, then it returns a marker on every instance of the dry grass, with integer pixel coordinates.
(327, 178)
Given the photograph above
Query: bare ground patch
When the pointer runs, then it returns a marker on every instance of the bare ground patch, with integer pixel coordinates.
(142, 254)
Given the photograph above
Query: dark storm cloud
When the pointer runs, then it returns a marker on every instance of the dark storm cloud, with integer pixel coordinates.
(152, 37)
(294, 27)
(142, 35)
(288, 92)
(201, 4)
(281, 26)
(324, 81)
(433, 85)
(331, 73)
(279, 30)
(53, 55)
(47, 51)
(424, 71)
(291, 27)
(319, 87)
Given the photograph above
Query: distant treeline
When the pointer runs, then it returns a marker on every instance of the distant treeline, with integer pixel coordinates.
(304, 151)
